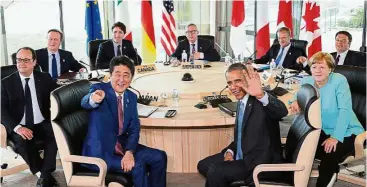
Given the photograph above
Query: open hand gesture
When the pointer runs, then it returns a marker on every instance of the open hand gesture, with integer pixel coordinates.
(252, 83)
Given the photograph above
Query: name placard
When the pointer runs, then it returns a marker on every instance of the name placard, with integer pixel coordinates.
(198, 64)
(145, 68)
(213, 97)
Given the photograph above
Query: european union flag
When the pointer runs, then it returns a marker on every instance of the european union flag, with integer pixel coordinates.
(92, 21)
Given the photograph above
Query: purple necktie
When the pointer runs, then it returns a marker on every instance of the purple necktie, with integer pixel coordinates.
(337, 60)
(118, 147)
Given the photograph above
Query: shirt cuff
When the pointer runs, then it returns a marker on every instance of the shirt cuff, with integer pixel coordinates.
(91, 102)
(16, 128)
(265, 99)
(201, 55)
(305, 64)
(229, 151)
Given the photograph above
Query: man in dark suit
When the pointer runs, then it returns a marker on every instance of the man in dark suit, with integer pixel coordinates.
(116, 47)
(114, 129)
(25, 112)
(345, 56)
(54, 60)
(256, 133)
(197, 49)
(284, 54)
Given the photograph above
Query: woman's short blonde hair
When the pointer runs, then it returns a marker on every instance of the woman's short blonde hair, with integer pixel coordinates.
(318, 57)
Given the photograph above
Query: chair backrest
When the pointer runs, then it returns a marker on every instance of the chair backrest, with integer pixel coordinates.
(301, 44)
(69, 121)
(92, 52)
(205, 37)
(356, 77)
(8, 70)
(304, 133)
(14, 58)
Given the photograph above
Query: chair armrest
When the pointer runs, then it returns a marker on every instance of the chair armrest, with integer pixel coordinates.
(274, 167)
(90, 160)
(3, 137)
(358, 145)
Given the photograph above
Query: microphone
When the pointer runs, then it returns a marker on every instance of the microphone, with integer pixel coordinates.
(279, 91)
(221, 49)
(250, 57)
(80, 61)
(215, 102)
(99, 77)
(141, 100)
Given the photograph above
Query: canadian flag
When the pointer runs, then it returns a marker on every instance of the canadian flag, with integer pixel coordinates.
(238, 30)
(122, 15)
(263, 33)
(310, 29)
(285, 15)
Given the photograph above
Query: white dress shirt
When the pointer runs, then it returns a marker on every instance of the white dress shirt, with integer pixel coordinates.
(285, 51)
(196, 49)
(342, 57)
(38, 118)
(57, 56)
(264, 100)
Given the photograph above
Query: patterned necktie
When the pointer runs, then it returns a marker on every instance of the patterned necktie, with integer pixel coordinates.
(277, 61)
(29, 118)
(193, 49)
(118, 147)
(239, 131)
(119, 50)
(337, 60)
(54, 67)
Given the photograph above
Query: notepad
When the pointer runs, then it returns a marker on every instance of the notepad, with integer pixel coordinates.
(145, 111)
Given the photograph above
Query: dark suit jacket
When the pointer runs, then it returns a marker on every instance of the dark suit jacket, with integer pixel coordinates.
(106, 52)
(289, 60)
(260, 132)
(13, 101)
(204, 46)
(103, 126)
(353, 58)
(67, 61)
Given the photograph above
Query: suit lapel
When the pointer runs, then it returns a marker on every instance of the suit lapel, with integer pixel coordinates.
(112, 101)
(111, 49)
(188, 52)
(44, 55)
(200, 46)
(37, 84)
(248, 110)
(126, 108)
(62, 60)
(18, 86)
(348, 58)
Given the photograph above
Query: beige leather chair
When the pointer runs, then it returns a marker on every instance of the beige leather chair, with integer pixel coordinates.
(70, 125)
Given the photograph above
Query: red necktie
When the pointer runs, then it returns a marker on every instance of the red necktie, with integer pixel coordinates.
(118, 147)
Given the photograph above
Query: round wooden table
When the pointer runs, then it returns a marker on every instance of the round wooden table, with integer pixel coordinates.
(192, 134)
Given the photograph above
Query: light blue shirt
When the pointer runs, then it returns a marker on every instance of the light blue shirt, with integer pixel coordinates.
(115, 47)
(57, 56)
(337, 116)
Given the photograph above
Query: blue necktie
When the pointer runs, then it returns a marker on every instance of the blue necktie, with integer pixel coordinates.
(239, 131)
(279, 57)
(54, 67)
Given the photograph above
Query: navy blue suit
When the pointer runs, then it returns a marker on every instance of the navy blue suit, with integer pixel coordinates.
(103, 134)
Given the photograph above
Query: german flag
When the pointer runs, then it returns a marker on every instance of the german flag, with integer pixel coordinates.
(148, 43)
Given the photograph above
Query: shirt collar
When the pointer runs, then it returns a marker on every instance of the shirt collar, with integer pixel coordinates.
(50, 53)
(117, 94)
(196, 43)
(116, 44)
(343, 53)
(286, 47)
(244, 99)
(23, 77)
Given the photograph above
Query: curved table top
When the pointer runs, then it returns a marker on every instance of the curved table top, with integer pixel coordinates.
(206, 82)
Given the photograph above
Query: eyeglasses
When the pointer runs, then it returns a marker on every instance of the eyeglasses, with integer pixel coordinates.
(24, 60)
(191, 32)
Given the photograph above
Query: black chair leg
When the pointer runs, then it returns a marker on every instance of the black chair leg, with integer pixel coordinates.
(3, 166)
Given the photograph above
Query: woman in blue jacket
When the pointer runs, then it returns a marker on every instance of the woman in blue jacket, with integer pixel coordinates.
(339, 123)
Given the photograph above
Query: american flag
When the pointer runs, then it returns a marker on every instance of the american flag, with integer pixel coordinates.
(168, 37)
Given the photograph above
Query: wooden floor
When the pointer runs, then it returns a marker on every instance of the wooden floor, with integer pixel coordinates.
(25, 179)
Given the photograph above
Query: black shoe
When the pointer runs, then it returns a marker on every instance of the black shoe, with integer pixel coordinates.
(46, 182)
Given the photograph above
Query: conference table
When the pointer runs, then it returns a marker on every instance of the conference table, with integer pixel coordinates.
(192, 134)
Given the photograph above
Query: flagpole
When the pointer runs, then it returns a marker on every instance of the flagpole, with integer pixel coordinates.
(255, 29)
(62, 24)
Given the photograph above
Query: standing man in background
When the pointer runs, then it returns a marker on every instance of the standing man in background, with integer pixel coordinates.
(54, 60)
(117, 46)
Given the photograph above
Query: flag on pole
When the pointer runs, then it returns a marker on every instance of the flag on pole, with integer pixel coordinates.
(285, 15)
(148, 38)
(263, 33)
(168, 37)
(92, 21)
(123, 15)
(238, 30)
(310, 29)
